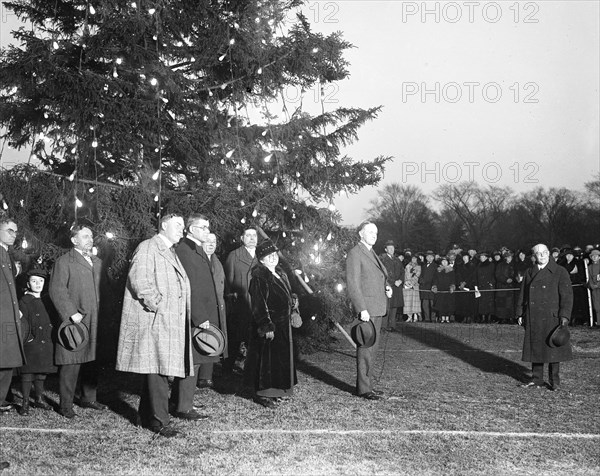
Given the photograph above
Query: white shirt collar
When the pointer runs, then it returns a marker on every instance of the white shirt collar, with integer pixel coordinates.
(198, 242)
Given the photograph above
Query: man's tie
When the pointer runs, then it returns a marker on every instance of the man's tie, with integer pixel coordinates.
(88, 258)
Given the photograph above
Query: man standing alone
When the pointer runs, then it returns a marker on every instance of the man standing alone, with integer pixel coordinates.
(545, 301)
(366, 278)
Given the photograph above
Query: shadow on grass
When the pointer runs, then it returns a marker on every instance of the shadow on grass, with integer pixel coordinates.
(319, 374)
(483, 360)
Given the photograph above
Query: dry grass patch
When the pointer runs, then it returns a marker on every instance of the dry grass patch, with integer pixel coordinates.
(453, 407)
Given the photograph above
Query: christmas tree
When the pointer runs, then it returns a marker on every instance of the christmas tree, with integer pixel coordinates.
(144, 107)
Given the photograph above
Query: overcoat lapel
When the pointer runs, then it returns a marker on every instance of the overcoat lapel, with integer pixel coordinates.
(170, 256)
(370, 254)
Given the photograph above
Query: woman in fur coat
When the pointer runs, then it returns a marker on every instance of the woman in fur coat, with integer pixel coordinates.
(270, 368)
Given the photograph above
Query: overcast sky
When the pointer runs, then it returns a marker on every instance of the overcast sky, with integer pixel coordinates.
(505, 93)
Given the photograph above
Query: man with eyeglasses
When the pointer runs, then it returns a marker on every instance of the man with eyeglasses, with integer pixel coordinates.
(12, 354)
(204, 311)
(545, 302)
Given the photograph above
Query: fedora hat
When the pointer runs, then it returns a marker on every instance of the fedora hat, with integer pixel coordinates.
(559, 337)
(363, 333)
(210, 341)
(73, 336)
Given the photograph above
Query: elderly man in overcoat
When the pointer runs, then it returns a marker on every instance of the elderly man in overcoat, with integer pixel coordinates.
(545, 301)
(238, 268)
(12, 354)
(395, 270)
(75, 292)
(155, 338)
(366, 278)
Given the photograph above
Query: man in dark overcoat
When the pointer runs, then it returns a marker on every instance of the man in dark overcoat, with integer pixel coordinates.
(545, 301)
(204, 310)
(366, 278)
(428, 271)
(12, 354)
(75, 292)
(395, 270)
(485, 281)
(238, 268)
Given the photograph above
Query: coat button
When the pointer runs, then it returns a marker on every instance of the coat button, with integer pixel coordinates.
(43, 342)
(40, 327)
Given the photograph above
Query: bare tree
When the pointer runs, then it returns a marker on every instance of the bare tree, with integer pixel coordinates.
(552, 214)
(403, 213)
(479, 209)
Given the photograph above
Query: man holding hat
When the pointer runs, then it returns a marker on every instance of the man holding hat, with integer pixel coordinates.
(366, 278)
(75, 293)
(204, 311)
(395, 270)
(545, 302)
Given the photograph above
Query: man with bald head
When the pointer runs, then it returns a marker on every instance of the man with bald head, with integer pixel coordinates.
(366, 278)
(545, 302)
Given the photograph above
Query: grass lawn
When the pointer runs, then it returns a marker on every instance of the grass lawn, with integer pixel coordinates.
(453, 407)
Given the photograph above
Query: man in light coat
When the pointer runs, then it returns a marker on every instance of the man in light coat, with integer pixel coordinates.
(75, 292)
(545, 301)
(366, 278)
(12, 354)
(155, 338)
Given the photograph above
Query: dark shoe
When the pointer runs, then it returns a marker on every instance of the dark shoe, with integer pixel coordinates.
(205, 383)
(67, 413)
(531, 385)
(4, 465)
(370, 396)
(93, 405)
(166, 431)
(24, 409)
(40, 403)
(191, 415)
(554, 388)
(6, 407)
(265, 402)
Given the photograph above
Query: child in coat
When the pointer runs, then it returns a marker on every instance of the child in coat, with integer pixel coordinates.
(37, 334)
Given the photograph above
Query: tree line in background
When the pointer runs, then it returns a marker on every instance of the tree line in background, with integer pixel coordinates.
(486, 218)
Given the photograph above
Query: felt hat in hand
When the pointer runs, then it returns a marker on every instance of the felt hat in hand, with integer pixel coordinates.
(559, 337)
(210, 341)
(73, 336)
(363, 333)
